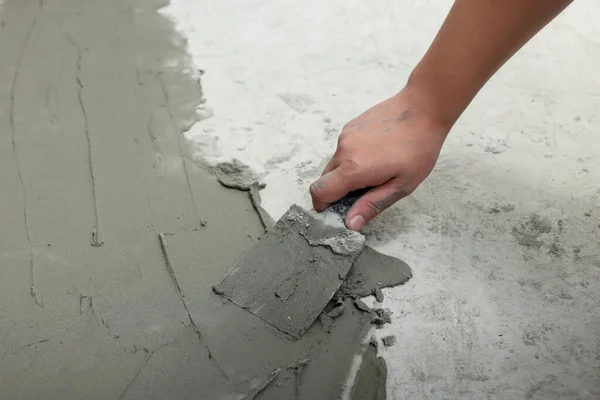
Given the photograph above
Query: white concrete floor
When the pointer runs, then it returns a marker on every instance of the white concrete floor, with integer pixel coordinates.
(503, 238)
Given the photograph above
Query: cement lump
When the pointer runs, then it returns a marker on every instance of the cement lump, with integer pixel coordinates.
(373, 270)
(235, 175)
(265, 218)
(389, 341)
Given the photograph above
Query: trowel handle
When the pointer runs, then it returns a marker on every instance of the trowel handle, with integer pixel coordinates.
(342, 206)
(352, 197)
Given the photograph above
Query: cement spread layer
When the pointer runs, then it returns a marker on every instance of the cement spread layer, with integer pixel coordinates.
(373, 271)
(93, 99)
(372, 372)
(95, 303)
(254, 192)
(245, 347)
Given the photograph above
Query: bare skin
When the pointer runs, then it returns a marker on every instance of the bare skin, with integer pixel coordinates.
(393, 146)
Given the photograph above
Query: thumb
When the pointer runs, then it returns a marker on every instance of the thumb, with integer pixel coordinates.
(374, 202)
(334, 185)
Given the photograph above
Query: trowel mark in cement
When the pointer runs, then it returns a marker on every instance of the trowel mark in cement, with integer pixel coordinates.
(86, 305)
(96, 236)
(176, 130)
(258, 390)
(144, 364)
(97, 240)
(163, 245)
(147, 121)
(297, 369)
(13, 91)
(148, 356)
(254, 191)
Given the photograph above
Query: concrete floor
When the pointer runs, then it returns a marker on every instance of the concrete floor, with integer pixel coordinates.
(503, 238)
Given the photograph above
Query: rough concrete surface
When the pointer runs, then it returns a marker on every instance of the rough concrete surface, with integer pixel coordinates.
(503, 237)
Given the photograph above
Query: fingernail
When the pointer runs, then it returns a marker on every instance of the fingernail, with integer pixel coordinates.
(357, 222)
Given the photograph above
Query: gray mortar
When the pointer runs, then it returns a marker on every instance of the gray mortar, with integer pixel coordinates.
(381, 317)
(290, 275)
(235, 175)
(389, 341)
(373, 270)
(378, 294)
(265, 218)
(362, 306)
(244, 346)
(371, 378)
(93, 154)
(255, 392)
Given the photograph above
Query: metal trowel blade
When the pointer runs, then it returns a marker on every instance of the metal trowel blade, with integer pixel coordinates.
(290, 275)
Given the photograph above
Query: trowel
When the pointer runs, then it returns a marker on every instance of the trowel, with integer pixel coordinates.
(294, 270)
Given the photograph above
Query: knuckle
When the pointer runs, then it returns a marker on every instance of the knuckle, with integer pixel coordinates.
(401, 190)
(349, 167)
(342, 141)
(405, 191)
(375, 207)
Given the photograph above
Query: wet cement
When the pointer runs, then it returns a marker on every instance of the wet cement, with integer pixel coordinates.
(235, 175)
(290, 275)
(243, 345)
(254, 192)
(95, 304)
(372, 371)
(93, 98)
(373, 271)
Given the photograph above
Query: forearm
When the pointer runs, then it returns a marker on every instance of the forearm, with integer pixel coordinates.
(476, 39)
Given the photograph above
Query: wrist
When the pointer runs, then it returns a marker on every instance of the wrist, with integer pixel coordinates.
(427, 106)
(440, 95)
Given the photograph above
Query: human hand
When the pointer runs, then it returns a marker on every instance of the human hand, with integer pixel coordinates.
(391, 147)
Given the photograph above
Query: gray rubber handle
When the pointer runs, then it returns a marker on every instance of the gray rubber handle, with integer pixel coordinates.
(342, 206)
